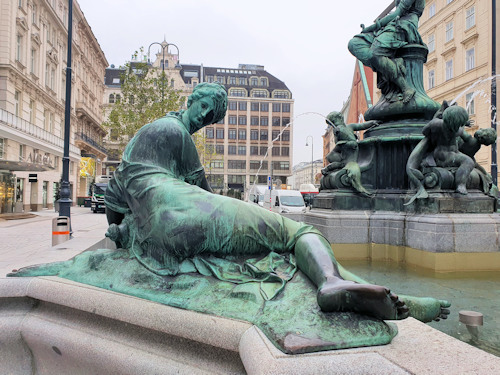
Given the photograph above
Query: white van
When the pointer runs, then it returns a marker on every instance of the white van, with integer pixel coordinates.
(255, 194)
(284, 201)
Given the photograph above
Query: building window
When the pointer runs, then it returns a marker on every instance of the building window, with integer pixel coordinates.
(2, 147)
(237, 92)
(242, 150)
(242, 80)
(17, 103)
(219, 149)
(448, 1)
(285, 151)
(430, 80)
(264, 107)
(231, 150)
(111, 98)
(255, 165)
(449, 69)
(219, 133)
(469, 103)
(232, 120)
(242, 134)
(209, 132)
(263, 82)
(263, 150)
(242, 106)
(231, 105)
(242, 120)
(231, 134)
(276, 134)
(470, 17)
(276, 151)
(469, 59)
(22, 152)
(254, 106)
(260, 93)
(281, 165)
(254, 81)
(32, 111)
(263, 135)
(232, 80)
(220, 79)
(209, 79)
(432, 10)
(286, 121)
(34, 14)
(221, 121)
(254, 150)
(217, 164)
(449, 31)
(431, 44)
(254, 120)
(285, 136)
(285, 107)
(276, 107)
(264, 121)
(19, 47)
(276, 121)
(33, 61)
(254, 135)
(280, 94)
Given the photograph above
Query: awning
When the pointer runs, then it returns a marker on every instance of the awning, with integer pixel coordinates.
(13, 166)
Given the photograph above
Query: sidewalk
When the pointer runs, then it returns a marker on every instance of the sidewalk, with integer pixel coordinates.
(28, 241)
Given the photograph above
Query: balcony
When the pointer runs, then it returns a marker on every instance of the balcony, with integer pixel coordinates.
(30, 129)
(89, 145)
(82, 110)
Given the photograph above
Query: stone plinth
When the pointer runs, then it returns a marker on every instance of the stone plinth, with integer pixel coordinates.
(55, 326)
(442, 242)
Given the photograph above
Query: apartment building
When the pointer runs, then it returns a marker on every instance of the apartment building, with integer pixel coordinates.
(33, 53)
(254, 140)
(458, 34)
(304, 173)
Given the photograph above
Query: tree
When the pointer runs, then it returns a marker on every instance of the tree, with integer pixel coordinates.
(145, 96)
(206, 151)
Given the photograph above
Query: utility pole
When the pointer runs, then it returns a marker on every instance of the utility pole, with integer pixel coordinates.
(65, 200)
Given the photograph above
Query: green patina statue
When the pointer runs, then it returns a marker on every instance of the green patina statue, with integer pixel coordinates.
(447, 145)
(377, 47)
(344, 169)
(181, 245)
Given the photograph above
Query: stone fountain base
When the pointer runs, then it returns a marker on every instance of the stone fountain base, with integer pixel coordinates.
(444, 242)
(55, 326)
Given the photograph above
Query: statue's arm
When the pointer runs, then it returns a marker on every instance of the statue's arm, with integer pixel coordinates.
(381, 23)
(363, 125)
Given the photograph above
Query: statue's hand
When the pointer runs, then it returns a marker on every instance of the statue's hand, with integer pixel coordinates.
(324, 171)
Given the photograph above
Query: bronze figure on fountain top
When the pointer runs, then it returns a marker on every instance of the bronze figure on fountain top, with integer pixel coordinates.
(393, 48)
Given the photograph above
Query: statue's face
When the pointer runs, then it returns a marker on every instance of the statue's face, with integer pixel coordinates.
(201, 112)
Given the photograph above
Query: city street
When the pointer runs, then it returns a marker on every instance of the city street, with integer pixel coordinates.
(26, 242)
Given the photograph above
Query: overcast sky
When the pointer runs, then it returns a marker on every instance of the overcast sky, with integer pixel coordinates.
(303, 43)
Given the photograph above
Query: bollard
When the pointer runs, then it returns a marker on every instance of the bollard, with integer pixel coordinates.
(60, 230)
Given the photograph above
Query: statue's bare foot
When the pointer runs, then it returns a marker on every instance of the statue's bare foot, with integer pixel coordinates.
(408, 95)
(462, 189)
(427, 309)
(374, 300)
(420, 194)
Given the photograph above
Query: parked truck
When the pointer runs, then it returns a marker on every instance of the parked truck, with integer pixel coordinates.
(284, 201)
(98, 189)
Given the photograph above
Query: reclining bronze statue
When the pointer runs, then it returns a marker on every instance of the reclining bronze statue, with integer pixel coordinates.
(165, 219)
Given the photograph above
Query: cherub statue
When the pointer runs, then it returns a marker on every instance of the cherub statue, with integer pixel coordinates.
(442, 137)
(346, 150)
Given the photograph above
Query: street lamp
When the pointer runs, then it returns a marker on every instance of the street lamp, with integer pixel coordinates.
(312, 156)
(164, 47)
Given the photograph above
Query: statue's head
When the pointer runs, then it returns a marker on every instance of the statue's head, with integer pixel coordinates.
(207, 104)
(486, 136)
(335, 118)
(454, 117)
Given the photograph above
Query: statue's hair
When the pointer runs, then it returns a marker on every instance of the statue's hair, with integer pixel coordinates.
(455, 115)
(332, 116)
(488, 136)
(218, 94)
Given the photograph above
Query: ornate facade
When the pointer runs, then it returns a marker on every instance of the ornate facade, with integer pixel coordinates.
(33, 54)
